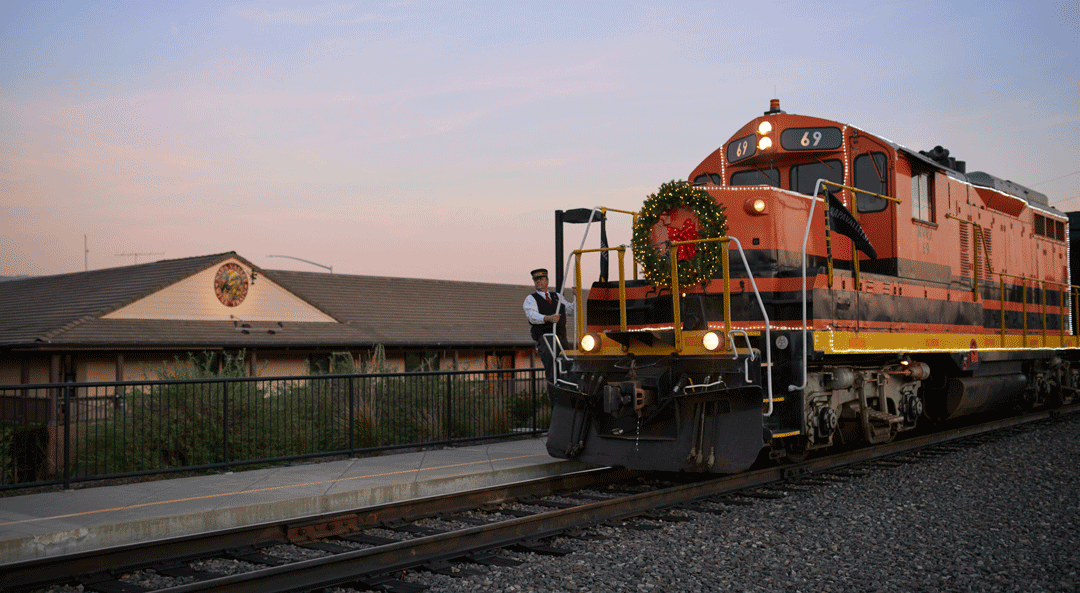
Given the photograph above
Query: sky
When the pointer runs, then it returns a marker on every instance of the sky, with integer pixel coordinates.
(437, 139)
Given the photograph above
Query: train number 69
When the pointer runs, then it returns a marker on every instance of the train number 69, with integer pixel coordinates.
(805, 140)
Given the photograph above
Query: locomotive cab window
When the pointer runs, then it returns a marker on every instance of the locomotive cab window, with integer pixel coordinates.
(922, 195)
(713, 178)
(871, 175)
(804, 177)
(756, 177)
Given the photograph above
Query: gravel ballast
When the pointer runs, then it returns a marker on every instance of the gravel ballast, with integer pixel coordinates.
(1003, 515)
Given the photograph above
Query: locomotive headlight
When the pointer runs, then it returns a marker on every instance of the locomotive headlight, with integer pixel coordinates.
(754, 206)
(764, 128)
(711, 341)
(590, 342)
(764, 143)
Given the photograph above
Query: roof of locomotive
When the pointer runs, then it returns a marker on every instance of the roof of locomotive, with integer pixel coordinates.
(1034, 199)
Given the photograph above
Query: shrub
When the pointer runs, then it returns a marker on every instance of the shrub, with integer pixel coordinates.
(178, 424)
(187, 419)
(22, 452)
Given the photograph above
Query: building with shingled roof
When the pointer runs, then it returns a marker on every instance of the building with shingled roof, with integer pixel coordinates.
(125, 323)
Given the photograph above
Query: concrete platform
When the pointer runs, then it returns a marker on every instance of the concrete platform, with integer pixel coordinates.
(40, 525)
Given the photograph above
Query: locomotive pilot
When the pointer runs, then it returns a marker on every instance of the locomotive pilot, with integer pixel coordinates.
(545, 311)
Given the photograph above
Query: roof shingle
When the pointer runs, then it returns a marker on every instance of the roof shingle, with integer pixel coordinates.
(66, 311)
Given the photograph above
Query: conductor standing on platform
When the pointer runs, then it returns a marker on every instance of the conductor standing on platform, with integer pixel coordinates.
(545, 311)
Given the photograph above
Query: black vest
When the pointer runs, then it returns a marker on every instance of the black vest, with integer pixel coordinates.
(545, 308)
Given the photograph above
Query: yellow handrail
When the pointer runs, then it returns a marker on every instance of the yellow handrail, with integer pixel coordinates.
(981, 242)
(855, 213)
(676, 312)
(1023, 308)
(1062, 304)
(675, 290)
(1002, 282)
(622, 285)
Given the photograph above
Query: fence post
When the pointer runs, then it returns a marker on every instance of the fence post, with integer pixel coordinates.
(225, 420)
(67, 436)
(449, 410)
(536, 390)
(352, 419)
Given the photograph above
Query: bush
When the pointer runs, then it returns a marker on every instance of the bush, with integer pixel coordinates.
(527, 411)
(177, 425)
(187, 421)
(22, 452)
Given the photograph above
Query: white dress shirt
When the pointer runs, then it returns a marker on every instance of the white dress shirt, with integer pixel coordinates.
(533, 313)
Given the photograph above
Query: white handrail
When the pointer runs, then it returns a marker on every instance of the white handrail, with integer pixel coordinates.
(734, 348)
(768, 334)
(805, 241)
(558, 354)
(566, 268)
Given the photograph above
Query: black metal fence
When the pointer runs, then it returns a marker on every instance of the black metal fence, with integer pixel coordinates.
(60, 433)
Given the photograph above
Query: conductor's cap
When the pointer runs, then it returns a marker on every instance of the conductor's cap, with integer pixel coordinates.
(539, 273)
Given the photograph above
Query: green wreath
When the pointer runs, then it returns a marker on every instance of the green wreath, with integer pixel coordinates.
(699, 262)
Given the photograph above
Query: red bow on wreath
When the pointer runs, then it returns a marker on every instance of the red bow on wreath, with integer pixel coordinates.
(687, 233)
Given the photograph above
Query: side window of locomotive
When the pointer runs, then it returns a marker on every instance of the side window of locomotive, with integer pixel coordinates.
(757, 177)
(922, 195)
(871, 175)
(804, 177)
(713, 178)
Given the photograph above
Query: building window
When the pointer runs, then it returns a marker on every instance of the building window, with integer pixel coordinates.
(331, 363)
(418, 362)
(499, 360)
(922, 196)
(205, 363)
(319, 363)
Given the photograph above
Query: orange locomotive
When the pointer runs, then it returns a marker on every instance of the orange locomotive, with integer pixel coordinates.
(814, 284)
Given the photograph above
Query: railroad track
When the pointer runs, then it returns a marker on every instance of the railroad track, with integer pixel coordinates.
(558, 505)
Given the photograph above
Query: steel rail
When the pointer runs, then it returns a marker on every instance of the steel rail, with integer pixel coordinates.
(46, 570)
(349, 566)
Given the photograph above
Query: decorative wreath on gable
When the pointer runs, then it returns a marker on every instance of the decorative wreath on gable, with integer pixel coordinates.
(701, 217)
